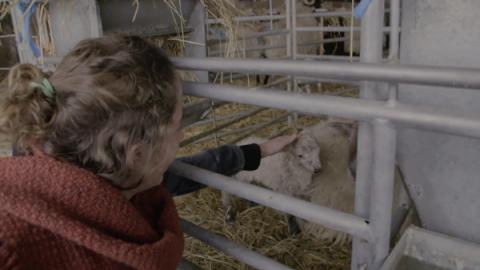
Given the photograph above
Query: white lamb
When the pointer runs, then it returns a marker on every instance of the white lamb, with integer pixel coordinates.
(288, 172)
(334, 186)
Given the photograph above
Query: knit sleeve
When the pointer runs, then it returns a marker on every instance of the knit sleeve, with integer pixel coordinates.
(8, 257)
(226, 160)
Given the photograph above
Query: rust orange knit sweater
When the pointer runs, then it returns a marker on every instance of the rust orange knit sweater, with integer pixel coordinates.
(54, 215)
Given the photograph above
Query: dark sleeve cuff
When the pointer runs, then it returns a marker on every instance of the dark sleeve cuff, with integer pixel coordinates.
(252, 155)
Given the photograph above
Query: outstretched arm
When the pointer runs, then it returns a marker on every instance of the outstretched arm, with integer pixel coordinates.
(226, 160)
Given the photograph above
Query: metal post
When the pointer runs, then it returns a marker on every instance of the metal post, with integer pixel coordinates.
(394, 30)
(370, 52)
(404, 201)
(198, 36)
(289, 38)
(382, 190)
(293, 18)
(270, 8)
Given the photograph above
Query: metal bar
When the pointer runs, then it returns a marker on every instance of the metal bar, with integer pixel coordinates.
(271, 47)
(327, 57)
(187, 265)
(240, 76)
(333, 29)
(230, 132)
(394, 29)
(328, 80)
(227, 133)
(340, 92)
(325, 216)
(294, 40)
(218, 118)
(276, 82)
(288, 41)
(293, 7)
(370, 52)
(252, 49)
(243, 254)
(248, 19)
(318, 14)
(422, 75)
(281, 17)
(270, 9)
(222, 126)
(5, 68)
(213, 41)
(321, 14)
(427, 118)
(260, 127)
(7, 36)
(192, 112)
(382, 189)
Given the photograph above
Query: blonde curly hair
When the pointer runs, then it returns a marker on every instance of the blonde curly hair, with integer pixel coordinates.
(114, 96)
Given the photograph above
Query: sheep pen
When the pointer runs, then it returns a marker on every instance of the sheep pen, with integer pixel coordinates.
(260, 228)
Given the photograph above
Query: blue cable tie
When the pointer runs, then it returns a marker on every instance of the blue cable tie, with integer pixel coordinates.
(23, 6)
(361, 8)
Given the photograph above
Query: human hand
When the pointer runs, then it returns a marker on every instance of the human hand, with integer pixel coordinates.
(276, 144)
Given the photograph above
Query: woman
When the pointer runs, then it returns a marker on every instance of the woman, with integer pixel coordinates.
(97, 138)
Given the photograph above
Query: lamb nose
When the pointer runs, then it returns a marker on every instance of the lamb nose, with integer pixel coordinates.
(317, 170)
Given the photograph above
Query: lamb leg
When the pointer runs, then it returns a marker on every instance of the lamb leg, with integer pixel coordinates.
(229, 211)
(293, 227)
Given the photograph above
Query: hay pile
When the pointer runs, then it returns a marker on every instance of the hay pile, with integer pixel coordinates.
(260, 228)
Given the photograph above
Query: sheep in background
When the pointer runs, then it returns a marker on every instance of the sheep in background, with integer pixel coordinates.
(288, 172)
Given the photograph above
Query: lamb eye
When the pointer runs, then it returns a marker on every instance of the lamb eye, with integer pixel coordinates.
(300, 156)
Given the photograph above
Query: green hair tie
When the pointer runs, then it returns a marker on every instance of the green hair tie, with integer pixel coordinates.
(45, 86)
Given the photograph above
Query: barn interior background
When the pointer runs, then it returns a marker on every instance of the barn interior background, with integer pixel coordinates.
(41, 32)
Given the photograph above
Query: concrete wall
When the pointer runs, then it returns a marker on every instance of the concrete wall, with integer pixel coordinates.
(442, 171)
